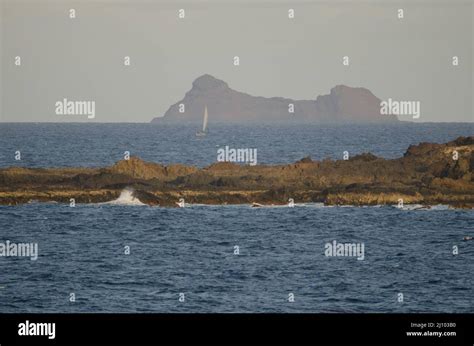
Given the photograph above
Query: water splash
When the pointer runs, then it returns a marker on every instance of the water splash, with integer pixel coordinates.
(126, 198)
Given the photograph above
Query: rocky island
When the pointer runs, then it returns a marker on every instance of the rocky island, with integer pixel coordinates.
(427, 174)
(343, 104)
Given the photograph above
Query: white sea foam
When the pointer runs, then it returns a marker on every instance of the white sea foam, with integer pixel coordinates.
(440, 207)
(126, 198)
(424, 207)
(410, 207)
(311, 204)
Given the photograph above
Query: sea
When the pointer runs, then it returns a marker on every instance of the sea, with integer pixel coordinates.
(128, 257)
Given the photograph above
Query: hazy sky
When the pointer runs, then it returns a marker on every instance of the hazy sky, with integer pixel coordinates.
(82, 58)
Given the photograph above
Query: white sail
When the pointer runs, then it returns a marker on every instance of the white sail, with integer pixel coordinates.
(204, 123)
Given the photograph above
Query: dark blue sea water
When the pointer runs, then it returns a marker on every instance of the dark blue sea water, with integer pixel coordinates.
(97, 145)
(191, 250)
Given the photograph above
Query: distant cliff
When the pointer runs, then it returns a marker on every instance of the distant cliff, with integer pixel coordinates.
(343, 105)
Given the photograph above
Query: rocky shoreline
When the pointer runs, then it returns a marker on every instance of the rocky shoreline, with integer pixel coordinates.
(427, 174)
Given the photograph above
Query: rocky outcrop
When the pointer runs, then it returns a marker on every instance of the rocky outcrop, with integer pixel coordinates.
(427, 174)
(138, 169)
(343, 105)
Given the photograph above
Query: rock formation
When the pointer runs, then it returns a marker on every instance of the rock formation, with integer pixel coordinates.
(343, 105)
(426, 174)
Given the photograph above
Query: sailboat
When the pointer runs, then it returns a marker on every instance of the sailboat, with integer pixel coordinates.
(204, 125)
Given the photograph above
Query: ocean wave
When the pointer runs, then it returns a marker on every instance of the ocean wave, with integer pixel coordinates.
(126, 198)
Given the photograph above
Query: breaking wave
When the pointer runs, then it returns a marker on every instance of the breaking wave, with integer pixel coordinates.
(126, 198)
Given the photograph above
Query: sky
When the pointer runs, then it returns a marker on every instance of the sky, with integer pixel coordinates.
(82, 58)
